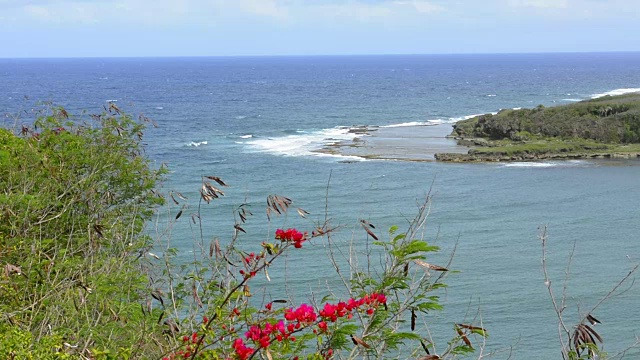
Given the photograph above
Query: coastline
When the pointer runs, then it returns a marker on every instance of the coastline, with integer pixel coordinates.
(419, 143)
(493, 157)
(428, 143)
(600, 128)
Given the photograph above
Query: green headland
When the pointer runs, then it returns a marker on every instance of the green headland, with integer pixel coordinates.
(606, 127)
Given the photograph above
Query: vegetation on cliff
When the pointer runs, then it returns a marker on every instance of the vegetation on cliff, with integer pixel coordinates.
(75, 197)
(604, 127)
(609, 119)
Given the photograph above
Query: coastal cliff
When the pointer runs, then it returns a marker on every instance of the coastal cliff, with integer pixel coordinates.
(606, 127)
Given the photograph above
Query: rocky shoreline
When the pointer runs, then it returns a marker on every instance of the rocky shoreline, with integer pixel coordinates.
(494, 157)
(601, 128)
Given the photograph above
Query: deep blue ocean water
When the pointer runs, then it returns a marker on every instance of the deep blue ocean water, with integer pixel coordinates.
(254, 122)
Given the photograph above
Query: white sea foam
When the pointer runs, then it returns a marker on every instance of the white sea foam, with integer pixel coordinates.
(240, 117)
(467, 117)
(616, 92)
(414, 123)
(304, 143)
(573, 100)
(249, 136)
(531, 164)
(159, 108)
(492, 95)
(433, 122)
(196, 144)
(547, 164)
(111, 100)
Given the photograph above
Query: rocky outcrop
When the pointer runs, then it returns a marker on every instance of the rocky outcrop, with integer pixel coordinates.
(497, 157)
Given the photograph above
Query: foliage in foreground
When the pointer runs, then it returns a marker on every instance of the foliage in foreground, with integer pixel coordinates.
(74, 200)
(80, 278)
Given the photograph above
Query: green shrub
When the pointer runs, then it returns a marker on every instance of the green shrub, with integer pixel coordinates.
(75, 195)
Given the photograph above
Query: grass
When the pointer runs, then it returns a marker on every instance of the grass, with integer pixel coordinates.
(554, 146)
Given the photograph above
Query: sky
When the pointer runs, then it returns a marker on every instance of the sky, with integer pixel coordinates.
(131, 28)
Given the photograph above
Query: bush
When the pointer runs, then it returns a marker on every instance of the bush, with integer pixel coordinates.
(608, 119)
(80, 279)
(76, 194)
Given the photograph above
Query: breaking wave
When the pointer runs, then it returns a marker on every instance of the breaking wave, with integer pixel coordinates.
(616, 92)
(196, 144)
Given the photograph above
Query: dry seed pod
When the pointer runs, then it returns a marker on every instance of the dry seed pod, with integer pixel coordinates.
(463, 336)
(357, 341)
(217, 179)
(430, 266)
(366, 228)
(156, 295)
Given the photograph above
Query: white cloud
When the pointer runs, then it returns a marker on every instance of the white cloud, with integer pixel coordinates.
(541, 4)
(421, 6)
(38, 12)
(427, 7)
(270, 8)
(355, 11)
(390, 11)
(60, 13)
(204, 12)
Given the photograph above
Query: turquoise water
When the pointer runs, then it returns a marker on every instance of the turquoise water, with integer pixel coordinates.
(256, 121)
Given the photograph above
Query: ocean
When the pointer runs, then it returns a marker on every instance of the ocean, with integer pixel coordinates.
(258, 123)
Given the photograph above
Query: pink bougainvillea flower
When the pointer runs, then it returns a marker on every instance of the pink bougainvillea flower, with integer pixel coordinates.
(291, 235)
(322, 325)
(242, 350)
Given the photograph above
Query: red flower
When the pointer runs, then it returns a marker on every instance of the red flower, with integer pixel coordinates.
(304, 314)
(291, 235)
(370, 311)
(242, 350)
(322, 325)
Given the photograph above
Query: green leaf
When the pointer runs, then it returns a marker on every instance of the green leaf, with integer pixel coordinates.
(347, 329)
(480, 332)
(427, 306)
(394, 340)
(398, 238)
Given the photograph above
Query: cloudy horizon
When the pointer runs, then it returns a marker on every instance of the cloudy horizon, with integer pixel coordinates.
(99, 28)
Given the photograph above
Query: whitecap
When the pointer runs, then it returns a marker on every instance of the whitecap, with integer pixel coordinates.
(413, 123)
(240, 117)
(467, 117)
(572, 100)
(492, 95)
(159, 108)
(111, 100)
(531, 164)
(303, 143)
(616, 92)
(196, 144)
(248, 136)
(548, 164)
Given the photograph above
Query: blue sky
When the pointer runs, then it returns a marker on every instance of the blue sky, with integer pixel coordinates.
(79, 28)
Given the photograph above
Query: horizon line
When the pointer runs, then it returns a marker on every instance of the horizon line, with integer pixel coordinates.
(310, 55)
